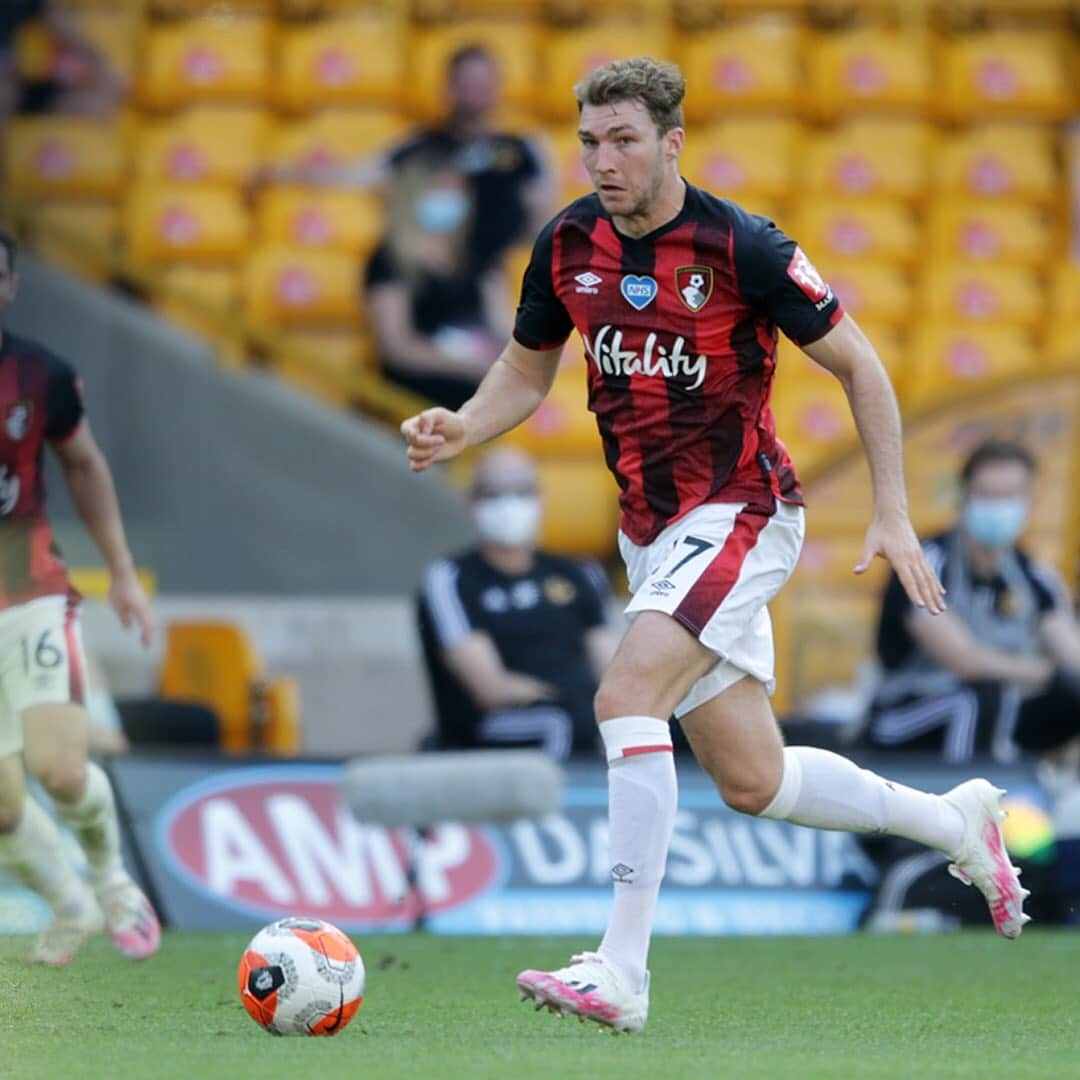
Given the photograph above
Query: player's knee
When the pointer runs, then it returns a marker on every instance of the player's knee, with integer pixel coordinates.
(618, 698)
(748, 797)
(63, 780)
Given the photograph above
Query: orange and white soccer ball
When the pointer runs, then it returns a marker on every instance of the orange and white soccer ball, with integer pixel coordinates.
(301, 977)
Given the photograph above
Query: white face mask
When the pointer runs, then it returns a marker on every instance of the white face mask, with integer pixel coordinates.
(507, 519)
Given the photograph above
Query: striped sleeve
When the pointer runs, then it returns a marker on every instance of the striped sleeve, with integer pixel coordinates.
(443, 601)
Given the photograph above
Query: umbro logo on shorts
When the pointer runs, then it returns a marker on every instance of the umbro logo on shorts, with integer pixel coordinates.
(587, 283)
(621, 872)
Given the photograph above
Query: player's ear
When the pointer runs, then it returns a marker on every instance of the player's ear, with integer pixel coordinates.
(673, 142)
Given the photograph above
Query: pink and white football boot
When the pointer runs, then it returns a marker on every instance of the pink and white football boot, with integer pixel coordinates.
(982, 860)
(130, 919)
(590, 989)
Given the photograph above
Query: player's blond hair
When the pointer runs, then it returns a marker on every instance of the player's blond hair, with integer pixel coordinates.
(658, 85)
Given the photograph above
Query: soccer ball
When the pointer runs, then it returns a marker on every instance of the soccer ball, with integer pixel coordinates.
(301, 977)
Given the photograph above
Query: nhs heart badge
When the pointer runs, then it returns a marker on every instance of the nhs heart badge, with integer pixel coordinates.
(637, 291)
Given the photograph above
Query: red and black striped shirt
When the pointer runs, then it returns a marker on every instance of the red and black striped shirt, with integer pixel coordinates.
(40, 401)
(680, 329)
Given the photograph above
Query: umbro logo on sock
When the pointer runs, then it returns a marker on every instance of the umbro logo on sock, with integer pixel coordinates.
(621, 872)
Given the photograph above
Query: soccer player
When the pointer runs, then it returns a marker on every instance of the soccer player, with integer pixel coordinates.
(678, 295)
(41, 657)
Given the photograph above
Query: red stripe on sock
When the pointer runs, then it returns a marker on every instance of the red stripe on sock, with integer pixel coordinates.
(631, 751)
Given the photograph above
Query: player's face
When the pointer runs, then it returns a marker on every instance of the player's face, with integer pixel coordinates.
(626, 156)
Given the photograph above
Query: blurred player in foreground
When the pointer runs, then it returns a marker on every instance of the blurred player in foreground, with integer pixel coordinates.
(42, 667)
(677, 295)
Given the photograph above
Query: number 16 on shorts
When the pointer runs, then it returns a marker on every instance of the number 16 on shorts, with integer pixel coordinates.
(41, 646)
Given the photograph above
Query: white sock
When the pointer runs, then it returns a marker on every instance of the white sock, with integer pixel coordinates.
(93, 821)
(642, 798)
(34, 853)
(827, 791)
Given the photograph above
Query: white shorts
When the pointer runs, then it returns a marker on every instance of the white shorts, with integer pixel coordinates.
(41, 662)
(714, 571)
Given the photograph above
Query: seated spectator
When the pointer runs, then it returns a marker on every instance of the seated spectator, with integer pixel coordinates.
(504, 173)
(80, 79)
(1001, 667)
(514, 638)
(438, 323)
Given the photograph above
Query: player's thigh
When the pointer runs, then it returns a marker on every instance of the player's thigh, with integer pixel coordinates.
(12, 791)
(55, 739)
(656, 664)
(737, 740)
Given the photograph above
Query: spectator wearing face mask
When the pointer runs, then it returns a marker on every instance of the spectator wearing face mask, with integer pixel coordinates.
(514, 638)
(437, 320)
(1001, 667)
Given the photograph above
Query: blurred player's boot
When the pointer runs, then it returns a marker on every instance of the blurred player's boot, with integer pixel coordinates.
(982, 861)
(129, 917)
(590, 989)
(71, 925)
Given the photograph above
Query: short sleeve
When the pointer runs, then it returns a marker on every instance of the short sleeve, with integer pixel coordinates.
(593, 595)
(1050, 592)
(776, 278)
(443, 600)
(64, 400)
(379, 269)
(542, 322)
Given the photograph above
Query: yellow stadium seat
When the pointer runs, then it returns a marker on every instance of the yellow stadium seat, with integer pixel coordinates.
(880, 158)
(343, 59)
(581, 507)
(215, 58)
(976, 231)
(338, 352)
(115, 30)
(513, 43)
(186, 223)
(291, 287)
(569, 55)
(77, 236)
(999, 161)
(869, 68)
(206, 301)
(313, 382)
(214, 664)
(336, 136)
(859, 229)
(813, 417)
(58, 156)
(1014, 72)
(320, 218)
(872, 292)
(744, 158)
(751, 64)
(983, 292)
(205, 144)
(278, 701)
(948, 359)
(1065, 293)
(563, 425)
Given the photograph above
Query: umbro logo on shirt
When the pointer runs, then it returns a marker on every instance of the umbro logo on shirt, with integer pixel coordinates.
(587, 283)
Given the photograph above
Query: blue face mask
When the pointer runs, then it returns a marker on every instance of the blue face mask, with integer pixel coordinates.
(995, 522)
(442, 210)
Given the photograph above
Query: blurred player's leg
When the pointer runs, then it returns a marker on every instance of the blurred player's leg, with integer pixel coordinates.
(32, 850)
(55, 747)
(823, 790)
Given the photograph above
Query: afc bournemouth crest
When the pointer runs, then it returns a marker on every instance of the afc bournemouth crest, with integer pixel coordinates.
(17, 420)
(694, 285)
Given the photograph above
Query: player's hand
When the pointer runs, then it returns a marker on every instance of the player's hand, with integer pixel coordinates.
(518, 689)
(131, 605)
(433, 435)
(894, 539)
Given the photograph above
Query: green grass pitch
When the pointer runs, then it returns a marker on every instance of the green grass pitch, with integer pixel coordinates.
(967, 1005)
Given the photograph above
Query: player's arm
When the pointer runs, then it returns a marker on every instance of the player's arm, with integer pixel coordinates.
(847, 353)
(1059, 632)
(476, 664)
(516, 383)
(90, 482)
(948, 642)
